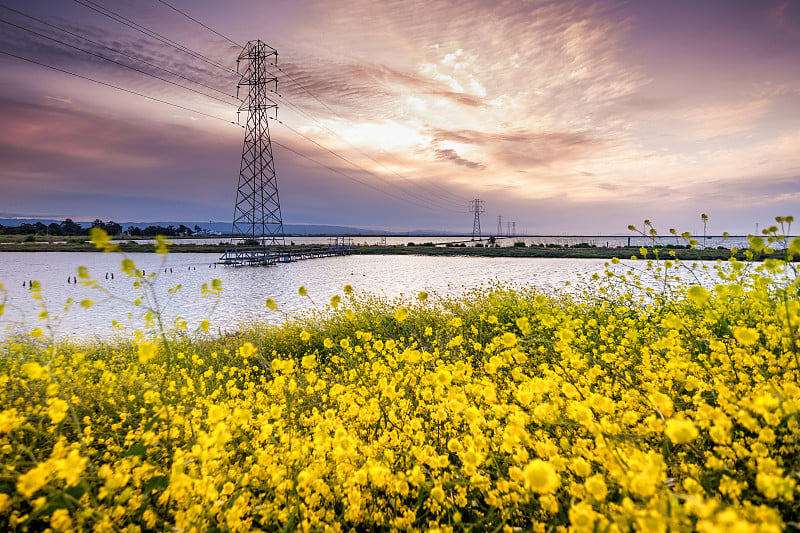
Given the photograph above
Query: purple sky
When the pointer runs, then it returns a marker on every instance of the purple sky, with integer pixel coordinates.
(565, 117)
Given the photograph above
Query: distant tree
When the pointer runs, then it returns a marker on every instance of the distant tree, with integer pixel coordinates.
(198, 229)
(40, 228)
(55, 229)
(2, 229)
(704, 218)
(134, 231)
(152, 231)
(112, 228)
(183, 231)
(71, 228)
(26, 229)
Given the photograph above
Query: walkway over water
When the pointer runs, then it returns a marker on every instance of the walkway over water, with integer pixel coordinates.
(272, 255)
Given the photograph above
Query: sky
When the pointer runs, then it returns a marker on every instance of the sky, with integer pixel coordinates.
(577, 117)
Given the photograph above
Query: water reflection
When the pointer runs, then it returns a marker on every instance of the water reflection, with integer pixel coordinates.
(245, 289)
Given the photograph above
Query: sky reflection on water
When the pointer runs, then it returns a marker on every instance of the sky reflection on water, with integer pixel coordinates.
(245, 289)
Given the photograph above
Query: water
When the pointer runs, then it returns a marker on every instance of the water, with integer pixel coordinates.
(246, 289)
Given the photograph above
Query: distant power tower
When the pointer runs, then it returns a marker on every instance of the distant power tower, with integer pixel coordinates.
(477, 206)
(257, 215)
(514, 229)
(499, 225)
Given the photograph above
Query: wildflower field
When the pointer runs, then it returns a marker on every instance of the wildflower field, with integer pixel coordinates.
(638, 403)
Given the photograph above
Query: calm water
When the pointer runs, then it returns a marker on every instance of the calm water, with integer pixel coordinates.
(245, 289)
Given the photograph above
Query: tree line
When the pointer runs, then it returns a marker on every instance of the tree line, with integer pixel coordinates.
(70, 228)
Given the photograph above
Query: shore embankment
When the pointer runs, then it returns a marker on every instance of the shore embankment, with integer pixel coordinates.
(624, 252)
(559, 252)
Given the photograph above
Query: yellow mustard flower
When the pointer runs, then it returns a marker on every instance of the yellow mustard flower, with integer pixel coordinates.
(680, 431)
(540, 476)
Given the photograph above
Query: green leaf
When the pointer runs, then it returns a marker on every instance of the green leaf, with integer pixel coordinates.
(137, 449)
(151, 423)
(156, 483)
(77, 491)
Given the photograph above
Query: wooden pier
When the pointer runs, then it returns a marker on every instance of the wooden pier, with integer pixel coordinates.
(272, 255)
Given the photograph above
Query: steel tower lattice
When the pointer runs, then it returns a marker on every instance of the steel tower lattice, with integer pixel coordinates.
(257, 215)
(477, 207)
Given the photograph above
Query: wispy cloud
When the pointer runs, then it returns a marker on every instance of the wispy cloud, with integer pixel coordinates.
(708, 122)
(448, 154)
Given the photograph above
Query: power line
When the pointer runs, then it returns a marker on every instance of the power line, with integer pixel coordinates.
(355, 165)
(152, 34)
(450, 201)
(304, 88)
(113, 86)
(215, 32)
(112, 61)
(138, 27)
(348, 176)
(332, 169)
(120, 52)
(424, 199)
(389, 193)
(161, 38)
(329, 130)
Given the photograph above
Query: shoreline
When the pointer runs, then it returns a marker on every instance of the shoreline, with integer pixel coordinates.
(708, 254)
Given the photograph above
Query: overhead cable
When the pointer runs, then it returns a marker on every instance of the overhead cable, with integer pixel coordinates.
(116, 51)
(112, 61)
(332, 132)
(153, 34)
(113, 86)
(306, 90)
(355, 165)
(215, 32)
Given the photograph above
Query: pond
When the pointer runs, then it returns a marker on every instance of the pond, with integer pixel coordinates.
(245, 289)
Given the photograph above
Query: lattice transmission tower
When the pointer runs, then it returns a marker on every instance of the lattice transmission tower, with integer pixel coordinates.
(257, 215)
(478, 207)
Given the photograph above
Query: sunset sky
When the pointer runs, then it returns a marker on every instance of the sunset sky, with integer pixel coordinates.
(564, 116)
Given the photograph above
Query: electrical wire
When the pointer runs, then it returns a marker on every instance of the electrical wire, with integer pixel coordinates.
(458, 199)
(119, 18)
(446, 201)
(215, 32)
(296, 108)
(332, 169)
(131, 24)
(152, 34)
(114, 86)
(120, 52)
(352, 178)
(112, 60)
(355, 165)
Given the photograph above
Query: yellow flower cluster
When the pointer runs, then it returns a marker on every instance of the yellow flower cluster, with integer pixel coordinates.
(503, 409)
